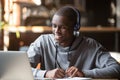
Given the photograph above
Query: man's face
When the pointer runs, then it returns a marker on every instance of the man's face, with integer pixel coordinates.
(62, 28)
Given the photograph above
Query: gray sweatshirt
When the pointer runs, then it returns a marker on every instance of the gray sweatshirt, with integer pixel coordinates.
(85, 53)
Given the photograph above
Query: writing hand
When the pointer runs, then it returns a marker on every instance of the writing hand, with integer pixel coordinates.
(74, 72)
(55, 73)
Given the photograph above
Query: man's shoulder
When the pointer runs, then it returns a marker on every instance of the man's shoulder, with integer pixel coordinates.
(91, 41)
(45, 38)
(47, 35)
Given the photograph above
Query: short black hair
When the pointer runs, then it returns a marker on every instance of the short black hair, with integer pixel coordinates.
(70, 12)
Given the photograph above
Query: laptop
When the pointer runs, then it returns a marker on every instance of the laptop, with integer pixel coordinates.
(14, 65)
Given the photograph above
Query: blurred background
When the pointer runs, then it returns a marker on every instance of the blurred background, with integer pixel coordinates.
(22, 21)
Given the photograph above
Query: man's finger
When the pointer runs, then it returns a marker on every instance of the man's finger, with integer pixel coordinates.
(74, 72)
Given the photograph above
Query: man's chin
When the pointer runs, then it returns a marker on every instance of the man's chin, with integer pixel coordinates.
(58, 40)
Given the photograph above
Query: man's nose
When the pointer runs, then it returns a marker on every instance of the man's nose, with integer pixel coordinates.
(57, 29)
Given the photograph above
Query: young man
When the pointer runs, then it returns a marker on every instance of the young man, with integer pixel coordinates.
(64, 53)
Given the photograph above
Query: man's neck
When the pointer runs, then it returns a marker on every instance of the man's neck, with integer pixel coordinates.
(68, 43)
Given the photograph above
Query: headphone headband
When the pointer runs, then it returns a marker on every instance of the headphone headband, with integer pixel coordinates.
(77, 25)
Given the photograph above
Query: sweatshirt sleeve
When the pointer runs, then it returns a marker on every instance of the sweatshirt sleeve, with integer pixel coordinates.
(108, 72)
(35, 51)
(35, 56)
(37, 73)
(106, 67)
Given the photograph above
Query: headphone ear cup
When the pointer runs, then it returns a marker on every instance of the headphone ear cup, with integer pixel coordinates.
(76, 27)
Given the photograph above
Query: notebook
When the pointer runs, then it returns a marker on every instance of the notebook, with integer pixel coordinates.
(76, 78)
(14, 65)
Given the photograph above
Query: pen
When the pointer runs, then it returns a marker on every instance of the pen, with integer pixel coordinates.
(38, 67)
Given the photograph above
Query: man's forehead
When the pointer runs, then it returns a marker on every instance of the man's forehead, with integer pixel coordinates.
(59, 17)
(61, 20)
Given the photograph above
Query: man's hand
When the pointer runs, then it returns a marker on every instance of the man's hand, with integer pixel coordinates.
(74, 72)
(55, 73)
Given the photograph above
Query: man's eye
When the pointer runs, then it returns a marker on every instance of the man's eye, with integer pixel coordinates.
(53, 25)
(64, 27)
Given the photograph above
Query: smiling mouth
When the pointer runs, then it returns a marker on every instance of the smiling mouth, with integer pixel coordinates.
(58, 36)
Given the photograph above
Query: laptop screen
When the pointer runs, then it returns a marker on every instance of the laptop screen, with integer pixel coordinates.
(14, 65)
